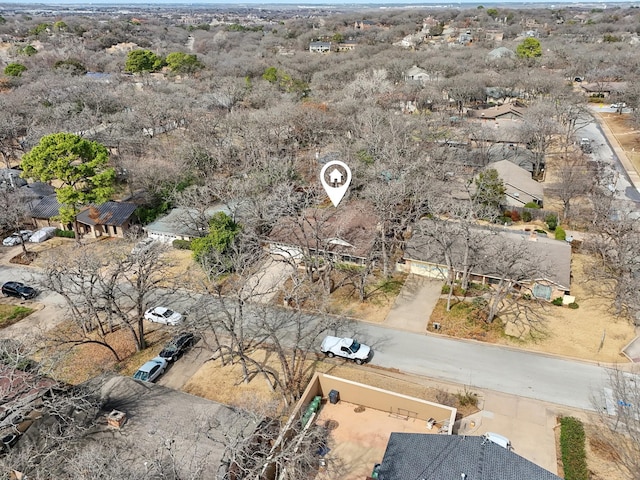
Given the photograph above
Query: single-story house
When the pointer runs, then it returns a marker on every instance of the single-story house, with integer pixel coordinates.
(346, 234)
(424, 256)
(603, 89)
(500, 95)
(111, 219)
(346, 46)
(501, 52)
(44, 212)
(22, 393)
(183, 223)
(504, 131)
(411, 456)
(417, 74)
(504, 111)
(521, 188)
(320, 47)
(139, 417)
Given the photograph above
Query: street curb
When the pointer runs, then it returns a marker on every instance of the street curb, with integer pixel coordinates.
(632, 174)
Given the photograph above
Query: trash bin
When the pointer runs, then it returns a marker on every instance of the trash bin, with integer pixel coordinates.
(334, 397)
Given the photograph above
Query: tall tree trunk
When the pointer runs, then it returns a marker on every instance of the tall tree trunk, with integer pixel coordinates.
(385, 259)
(141, 343)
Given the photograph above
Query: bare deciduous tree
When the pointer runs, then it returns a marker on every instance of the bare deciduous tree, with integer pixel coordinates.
(618, 406)
(107, 290)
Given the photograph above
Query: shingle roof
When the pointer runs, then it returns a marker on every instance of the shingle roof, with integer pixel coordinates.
(184, 221)
(350, 230)
(47, 207)
(553, 257)
(518, 182)
(108, 213)
(37, 190)
(416, 456)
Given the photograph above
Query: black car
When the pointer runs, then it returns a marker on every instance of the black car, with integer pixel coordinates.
(177, 346)
(19, 290)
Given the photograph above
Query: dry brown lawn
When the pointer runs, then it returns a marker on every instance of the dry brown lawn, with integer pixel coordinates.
(573, 333)
(627, 135)
(225, 384)
(382, 295)
(80, 363)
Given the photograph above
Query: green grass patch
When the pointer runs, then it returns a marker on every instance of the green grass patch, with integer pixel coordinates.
(572, 449)
(10, 314)
(391, 286)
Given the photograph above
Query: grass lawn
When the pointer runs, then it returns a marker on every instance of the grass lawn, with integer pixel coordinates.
(10, 314)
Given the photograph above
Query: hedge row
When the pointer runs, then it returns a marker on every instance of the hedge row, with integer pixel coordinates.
(572, 448)
(65, 233)
(182, 244)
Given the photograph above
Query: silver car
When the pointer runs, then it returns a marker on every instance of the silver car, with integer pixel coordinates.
(17, 238)
(151, 370)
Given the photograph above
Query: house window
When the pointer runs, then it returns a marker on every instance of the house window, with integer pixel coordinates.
(542, 291)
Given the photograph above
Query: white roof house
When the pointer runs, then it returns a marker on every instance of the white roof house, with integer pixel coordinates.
(183, 223)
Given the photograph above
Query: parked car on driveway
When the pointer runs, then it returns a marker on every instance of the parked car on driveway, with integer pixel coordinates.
(151, 370)
(163, 315)
(177, 346)
(346, 348)
(18, 290)
(17, 238)
(43, 234)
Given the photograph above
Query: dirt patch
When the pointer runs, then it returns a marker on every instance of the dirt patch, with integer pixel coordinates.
(602, 458)
(591, 332)
(24, 258)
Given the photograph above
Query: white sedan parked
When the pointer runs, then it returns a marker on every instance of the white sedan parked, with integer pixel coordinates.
(163, 315)
(17, 238)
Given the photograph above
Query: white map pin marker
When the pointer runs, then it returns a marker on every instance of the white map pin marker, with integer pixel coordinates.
(339, 178)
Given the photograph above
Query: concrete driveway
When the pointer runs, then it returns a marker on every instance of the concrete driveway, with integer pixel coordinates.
(413, 307)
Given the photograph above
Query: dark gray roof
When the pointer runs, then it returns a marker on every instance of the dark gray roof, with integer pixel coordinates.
(108, 213)
(37, 190)
(416, 456)
(47, 207)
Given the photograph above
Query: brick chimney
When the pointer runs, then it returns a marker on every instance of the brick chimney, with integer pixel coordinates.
(116, 419)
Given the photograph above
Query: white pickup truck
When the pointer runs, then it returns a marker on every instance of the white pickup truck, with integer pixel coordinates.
(347, 348)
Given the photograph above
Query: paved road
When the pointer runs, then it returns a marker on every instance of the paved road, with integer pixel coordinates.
(517, 372)
(604, 154)
(477, 365)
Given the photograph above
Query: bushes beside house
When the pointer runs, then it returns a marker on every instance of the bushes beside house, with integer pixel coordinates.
(181, 244)
(572, 449)
(65, 233)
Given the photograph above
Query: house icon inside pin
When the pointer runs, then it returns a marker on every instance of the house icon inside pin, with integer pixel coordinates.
(335, 177)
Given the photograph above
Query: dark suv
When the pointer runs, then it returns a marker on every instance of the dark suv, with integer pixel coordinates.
(19, 290)
(177, 346)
